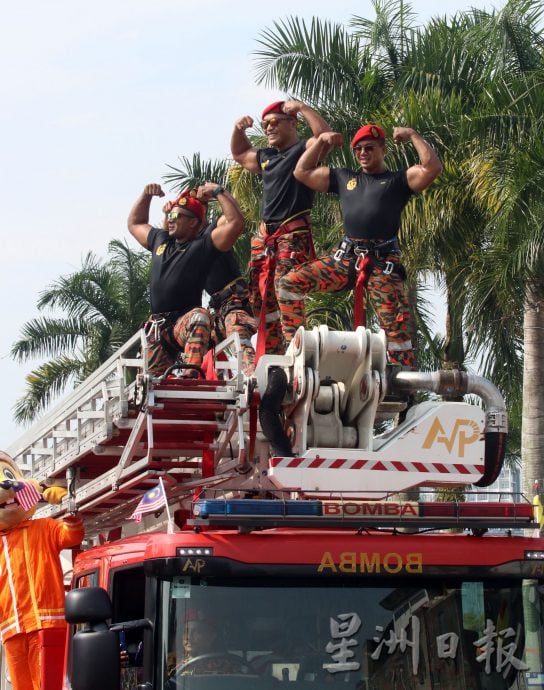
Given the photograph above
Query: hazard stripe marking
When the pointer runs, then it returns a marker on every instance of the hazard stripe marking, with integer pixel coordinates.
(378, 465)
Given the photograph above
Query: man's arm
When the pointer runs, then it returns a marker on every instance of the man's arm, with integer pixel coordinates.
(231, 223)
(308, 171)
(138, 218)
(241, 148)
(317, 124)
(429, 168)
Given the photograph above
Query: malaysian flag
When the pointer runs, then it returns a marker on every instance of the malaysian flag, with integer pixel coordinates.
(26, 494)
(152, 500)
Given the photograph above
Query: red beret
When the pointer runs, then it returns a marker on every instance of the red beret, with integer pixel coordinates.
(275, 107)
(188, 200)
(367, 132)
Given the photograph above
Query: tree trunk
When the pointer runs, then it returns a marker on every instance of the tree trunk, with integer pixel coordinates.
(532, 423)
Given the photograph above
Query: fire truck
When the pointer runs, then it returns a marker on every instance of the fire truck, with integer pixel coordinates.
(328, 565)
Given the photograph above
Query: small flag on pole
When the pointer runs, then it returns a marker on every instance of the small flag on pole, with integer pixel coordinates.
(26, 494)
(152, 500)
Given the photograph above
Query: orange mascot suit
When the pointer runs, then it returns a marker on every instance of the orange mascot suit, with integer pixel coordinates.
(31, 578)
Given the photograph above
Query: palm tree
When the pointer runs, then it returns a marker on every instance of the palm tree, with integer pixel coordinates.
(104, 304)
(508, 174)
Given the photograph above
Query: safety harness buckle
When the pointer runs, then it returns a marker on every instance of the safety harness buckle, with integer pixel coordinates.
(153, 327)
(360, 258)
(388, 268)
(344, 248)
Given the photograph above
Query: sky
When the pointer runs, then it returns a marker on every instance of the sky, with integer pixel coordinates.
(98, 97)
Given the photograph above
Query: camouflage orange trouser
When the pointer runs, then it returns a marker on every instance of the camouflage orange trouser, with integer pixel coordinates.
(386, 292)
(239, 321)
(291, 250)
(189, 334)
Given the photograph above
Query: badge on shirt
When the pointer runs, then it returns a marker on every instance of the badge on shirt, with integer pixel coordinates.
(351, 184)
(160, 249)
(264, 164)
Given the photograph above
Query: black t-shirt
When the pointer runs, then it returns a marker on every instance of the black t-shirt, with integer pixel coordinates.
(283, 195)
(371, 204)
(225, 268)
(178, 270)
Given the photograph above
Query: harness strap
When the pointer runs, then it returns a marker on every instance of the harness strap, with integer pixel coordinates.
(290, 221)
(268, 266)
(364, 270)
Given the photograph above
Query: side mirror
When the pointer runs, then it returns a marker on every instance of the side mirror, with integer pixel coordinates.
(94, 659)
(87, 605)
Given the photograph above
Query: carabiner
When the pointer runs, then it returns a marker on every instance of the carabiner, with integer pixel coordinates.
(389, 266)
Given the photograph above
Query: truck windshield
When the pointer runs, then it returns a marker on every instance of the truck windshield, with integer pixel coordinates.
(437, 634)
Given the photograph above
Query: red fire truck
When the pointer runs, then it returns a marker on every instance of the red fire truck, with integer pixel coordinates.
(323, 567)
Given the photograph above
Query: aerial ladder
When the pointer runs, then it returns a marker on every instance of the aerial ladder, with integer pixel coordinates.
(122, 429)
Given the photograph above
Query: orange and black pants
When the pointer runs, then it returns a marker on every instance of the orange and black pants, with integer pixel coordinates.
(167, 336)
(274, 253)
(386, 291)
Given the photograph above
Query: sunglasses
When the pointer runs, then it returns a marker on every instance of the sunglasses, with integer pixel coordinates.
(178, 214)
(273, 121)
(367, 148)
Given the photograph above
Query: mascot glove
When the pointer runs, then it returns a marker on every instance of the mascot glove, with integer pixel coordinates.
(54, 494)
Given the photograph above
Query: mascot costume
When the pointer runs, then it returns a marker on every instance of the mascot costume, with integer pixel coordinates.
(31, 578)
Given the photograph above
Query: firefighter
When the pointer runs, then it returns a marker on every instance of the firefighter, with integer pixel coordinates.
(284, 239)
(372, 200)
(229, 297)
(181, 262)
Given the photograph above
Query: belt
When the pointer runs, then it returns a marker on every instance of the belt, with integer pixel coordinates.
(289, 224)
(361, 247)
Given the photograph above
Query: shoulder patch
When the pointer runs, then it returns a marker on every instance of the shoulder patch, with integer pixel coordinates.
(160, 249)
(264, 164)
(351, 184)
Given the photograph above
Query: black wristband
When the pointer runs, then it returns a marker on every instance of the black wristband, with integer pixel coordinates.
(218, 190)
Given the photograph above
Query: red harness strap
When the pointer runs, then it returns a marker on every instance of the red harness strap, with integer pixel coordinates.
(364, 269)
(268, 266)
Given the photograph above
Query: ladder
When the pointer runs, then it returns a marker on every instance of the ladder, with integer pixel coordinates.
(122, 429)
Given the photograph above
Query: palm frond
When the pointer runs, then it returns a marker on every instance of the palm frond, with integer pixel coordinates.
(43, 385)
(45, 337)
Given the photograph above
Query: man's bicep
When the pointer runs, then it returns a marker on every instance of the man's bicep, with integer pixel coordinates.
(419, 178)
(317, 178)
(249, 160)
(223, 237)
(141, 234)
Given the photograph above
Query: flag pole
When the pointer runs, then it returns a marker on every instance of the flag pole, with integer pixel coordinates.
(170, 527)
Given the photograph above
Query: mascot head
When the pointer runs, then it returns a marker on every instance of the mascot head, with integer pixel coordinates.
(11, 510)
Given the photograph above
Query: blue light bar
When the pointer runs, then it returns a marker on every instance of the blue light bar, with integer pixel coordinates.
(256, 507)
